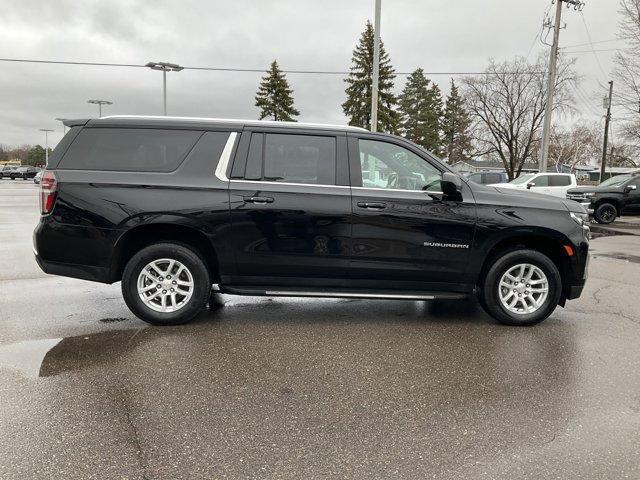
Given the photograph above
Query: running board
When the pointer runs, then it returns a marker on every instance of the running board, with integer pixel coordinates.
(329, 293)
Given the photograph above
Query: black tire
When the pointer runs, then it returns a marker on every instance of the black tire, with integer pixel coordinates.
(190, 259)
(490, 287)
(605, 213)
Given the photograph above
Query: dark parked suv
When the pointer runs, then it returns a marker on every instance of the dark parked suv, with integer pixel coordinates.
(615, 197)
(170, 206)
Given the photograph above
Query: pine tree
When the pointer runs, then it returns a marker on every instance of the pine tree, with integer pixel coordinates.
(360, 80)
(456, 126)
(274, 96)
(422, 110)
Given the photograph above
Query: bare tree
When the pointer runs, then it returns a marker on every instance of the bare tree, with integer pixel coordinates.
(579, 144)
(627, 73)
(628, 60)
(507, 106)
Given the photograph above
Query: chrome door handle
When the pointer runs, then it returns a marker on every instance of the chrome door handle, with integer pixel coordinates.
(372, 205)
(258, 200)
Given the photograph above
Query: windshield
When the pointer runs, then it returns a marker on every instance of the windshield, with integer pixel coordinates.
(615, 181)
(522, 179)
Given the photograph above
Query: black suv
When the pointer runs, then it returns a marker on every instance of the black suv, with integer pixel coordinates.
(613, 198)
(170, 206)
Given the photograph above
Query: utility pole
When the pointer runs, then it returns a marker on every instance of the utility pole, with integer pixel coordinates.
(553, 73)
(376, 68)
(607, 122)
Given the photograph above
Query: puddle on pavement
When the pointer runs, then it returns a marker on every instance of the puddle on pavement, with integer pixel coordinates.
(52, 356)
(618, 256)
(599, 231)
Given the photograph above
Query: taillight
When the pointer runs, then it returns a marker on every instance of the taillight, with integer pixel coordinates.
(48, 187)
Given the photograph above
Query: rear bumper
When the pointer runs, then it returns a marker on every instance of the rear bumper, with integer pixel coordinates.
(74, 251)
(82, 272)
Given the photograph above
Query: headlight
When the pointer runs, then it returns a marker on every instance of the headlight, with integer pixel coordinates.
(581, 219)
(590, 195)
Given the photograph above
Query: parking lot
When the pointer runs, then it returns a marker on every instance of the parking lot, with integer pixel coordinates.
(299, 388)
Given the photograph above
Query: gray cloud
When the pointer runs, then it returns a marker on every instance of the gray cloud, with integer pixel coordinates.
(438, 35)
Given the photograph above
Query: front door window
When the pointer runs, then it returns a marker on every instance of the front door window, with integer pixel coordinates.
(388, 166)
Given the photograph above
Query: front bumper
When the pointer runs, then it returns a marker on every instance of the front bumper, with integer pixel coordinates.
(588, 207)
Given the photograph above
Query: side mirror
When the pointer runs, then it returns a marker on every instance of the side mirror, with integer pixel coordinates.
(531, 184)
(630, 188)
(451, 184)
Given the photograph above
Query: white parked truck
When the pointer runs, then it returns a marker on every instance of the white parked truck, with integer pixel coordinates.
(556, 184)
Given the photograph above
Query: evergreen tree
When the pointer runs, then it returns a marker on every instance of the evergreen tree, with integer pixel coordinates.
(36, 156)
(360, 80)
(421, 108)
(456, 126)
(274, 96)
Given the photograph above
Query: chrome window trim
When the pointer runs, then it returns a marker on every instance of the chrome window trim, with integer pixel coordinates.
(265, 182)
(225, 157)
(397, 190)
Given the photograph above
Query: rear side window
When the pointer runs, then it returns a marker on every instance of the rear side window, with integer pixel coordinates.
(541, 181)
(286, 158)
(559, 181)
(476, 178)
(492, 178)
(129, 149)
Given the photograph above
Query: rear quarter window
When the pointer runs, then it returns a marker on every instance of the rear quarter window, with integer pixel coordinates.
(129, 149)
(559, 181)
(493, 178)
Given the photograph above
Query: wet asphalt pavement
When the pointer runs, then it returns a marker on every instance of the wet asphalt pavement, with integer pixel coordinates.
(299, 388)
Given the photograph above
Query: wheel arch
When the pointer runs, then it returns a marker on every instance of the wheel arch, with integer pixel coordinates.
(138, 237)
(613, 201)
(552, 247)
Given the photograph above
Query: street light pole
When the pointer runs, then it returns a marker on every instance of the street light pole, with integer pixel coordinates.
(100, 103)
(46, 144)
(376, 68)
(165, 67)
(64, 127)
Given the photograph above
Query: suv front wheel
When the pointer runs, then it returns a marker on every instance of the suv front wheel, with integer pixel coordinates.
(522, 287)
(605, 213)
(166, 284)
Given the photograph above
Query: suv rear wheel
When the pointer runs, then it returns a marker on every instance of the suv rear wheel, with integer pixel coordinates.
(605, 213)
(523, 287)
(166, 284)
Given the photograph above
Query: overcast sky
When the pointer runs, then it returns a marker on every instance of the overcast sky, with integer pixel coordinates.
(438, 35)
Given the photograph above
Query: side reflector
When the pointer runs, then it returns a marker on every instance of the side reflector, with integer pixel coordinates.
(569, 250)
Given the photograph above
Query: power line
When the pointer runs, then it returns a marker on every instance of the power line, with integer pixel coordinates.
(594, 43)
(592, 51)
(251, 70)
(538, 36)
(584, 22)
(64, 62)
(586, 100)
